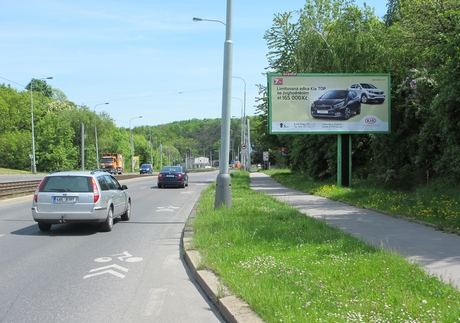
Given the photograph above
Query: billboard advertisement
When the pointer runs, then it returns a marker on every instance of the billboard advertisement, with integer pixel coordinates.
(328, 103)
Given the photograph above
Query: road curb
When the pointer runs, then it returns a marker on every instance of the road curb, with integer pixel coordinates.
(232, 308)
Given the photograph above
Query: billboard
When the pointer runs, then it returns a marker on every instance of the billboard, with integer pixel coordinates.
(328, 103)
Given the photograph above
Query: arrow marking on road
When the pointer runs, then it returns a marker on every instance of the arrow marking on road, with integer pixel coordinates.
(167, 209)
(109, 271)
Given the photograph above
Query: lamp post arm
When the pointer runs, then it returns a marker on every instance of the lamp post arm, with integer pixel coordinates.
(212, 20)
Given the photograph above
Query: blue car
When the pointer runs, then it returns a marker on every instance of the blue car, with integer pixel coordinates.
(172, 176)
(146, 169)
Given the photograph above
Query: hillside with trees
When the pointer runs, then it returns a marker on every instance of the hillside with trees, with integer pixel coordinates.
(58, 134)
(417, 42)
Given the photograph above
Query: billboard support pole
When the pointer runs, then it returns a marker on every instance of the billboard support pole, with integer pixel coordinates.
(339, 160)
(344, 160)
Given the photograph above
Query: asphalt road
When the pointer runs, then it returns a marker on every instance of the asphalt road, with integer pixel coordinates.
(74, 273)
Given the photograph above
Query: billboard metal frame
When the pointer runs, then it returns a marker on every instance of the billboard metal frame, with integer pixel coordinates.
(297, 105)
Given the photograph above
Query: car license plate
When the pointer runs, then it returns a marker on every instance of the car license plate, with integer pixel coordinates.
(169, 175)
(64, 199)
(322, 111)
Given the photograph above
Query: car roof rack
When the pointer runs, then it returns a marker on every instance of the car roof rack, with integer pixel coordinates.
(60, 170)
(98, 170)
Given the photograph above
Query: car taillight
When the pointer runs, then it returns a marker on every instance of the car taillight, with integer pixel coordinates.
(160, 176)
(95, 190)
(179, 176)
(37, 190)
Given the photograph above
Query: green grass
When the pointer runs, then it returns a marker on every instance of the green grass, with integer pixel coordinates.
(292, 268)
(7, 171)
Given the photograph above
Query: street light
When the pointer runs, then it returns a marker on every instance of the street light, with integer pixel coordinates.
(34, 164)
(95, 133)
(223, 182)
(201, 19)
(132, 144)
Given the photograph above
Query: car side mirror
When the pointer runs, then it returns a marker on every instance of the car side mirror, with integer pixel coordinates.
(124, 187)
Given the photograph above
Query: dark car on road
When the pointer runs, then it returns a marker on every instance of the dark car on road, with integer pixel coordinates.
(340, 104)
(172, 176)
(146, 169)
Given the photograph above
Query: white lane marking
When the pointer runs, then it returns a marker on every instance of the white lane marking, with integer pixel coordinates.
(187, 192)
(109, 271)
(166, 209)
(129, 257)
(103, 259)
(134, 259)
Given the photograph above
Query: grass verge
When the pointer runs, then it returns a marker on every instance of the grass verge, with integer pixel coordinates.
(7, 171)
(292, 268)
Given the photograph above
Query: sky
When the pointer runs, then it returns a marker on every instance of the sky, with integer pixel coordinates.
(144, 57)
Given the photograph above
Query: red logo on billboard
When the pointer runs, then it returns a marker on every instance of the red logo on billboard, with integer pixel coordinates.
(370, 120)
(278, 81)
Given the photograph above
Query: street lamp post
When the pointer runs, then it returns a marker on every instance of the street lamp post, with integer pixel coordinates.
(242, 123)
(223, 182)
(132, 143)
(34, 164)
(95, 134)
(243, 129)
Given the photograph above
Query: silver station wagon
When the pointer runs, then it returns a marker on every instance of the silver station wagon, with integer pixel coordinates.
(80, 196)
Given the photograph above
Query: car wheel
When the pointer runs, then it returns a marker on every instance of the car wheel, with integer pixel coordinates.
(346, 113)
(364, 98)
(44, 226)
(183, 185)
(358, 111)
(159, 186)
(127, 215)
(108, 224)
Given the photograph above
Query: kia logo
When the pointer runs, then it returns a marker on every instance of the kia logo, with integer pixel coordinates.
(370, 120)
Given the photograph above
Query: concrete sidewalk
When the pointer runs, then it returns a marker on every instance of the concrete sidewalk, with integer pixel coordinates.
(438, 252)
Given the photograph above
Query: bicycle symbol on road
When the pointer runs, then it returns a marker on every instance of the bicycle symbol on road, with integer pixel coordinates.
(125, 256)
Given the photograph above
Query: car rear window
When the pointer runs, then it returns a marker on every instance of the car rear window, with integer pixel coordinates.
(66, 184)
(172, 169)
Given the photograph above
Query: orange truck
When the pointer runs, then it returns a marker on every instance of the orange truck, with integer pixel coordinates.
(112, 163)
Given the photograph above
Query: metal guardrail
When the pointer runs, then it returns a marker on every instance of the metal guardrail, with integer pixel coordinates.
(13, 189)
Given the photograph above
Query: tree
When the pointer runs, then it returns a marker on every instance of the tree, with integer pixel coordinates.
(40, 86)
(330, 36)
(54, 143)
(16, 148)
